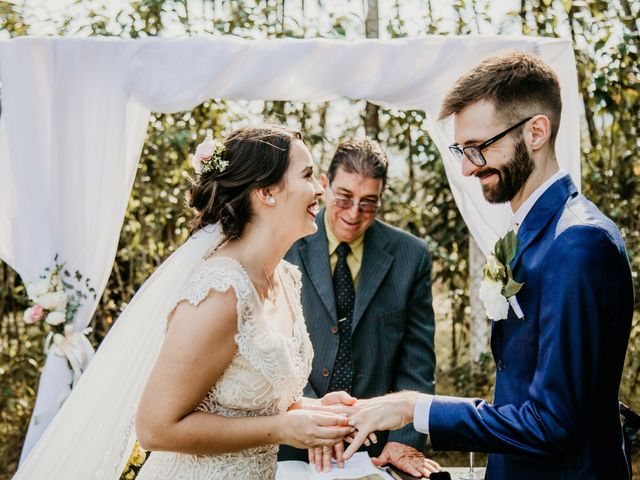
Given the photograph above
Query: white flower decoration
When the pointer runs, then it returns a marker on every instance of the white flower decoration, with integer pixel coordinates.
(55, 318)
(53, 301)
(37, 288)
(495, 304)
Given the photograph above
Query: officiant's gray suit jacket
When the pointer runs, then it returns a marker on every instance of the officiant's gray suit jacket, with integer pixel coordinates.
(392, 327)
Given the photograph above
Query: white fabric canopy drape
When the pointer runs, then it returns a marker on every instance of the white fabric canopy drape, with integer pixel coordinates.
(75, 114)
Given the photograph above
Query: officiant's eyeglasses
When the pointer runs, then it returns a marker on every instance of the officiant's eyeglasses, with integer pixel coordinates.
(474, 152)
(346, 203)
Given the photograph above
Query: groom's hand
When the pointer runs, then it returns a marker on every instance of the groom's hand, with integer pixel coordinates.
(389, 412)
(406, 458)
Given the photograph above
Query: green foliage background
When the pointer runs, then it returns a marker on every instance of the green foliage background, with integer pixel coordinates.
(606, 41)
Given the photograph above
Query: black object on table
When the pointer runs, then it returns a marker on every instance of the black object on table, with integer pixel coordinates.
(400, 475)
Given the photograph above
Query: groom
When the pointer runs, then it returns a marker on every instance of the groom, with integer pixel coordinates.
(555, 413)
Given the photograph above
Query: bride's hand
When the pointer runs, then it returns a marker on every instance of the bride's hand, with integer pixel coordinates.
(338, 398)
(309, 429)
(321, 457)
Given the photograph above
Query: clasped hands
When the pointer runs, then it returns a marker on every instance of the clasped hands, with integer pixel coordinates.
(363, 418)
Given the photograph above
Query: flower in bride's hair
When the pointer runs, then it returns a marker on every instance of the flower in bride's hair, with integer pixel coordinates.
(208, 157)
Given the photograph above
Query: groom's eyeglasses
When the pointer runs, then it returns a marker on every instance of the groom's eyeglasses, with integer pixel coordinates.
(346, 203)
(474, 152)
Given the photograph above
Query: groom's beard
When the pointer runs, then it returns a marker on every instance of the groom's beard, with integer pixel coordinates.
(511, 177)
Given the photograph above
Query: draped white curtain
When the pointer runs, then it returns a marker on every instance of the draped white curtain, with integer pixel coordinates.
(75, 114)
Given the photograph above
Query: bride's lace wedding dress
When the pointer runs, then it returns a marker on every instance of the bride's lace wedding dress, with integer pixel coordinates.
(266, 375)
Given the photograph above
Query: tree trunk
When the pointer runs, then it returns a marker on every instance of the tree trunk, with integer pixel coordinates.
(593, 132)
(628, 19)
(411, 172)
(523, 17)
(371, 26)
(478, 324)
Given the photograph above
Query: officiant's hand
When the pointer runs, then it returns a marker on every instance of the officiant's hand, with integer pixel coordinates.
(407, 459)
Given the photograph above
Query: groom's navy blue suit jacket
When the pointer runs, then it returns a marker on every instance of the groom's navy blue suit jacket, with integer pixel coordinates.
(555, 413)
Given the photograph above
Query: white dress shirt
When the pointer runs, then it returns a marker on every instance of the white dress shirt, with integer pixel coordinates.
(423, 402)
(519, 215)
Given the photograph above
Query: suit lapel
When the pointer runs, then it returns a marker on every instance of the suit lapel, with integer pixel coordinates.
(541, 214)
(534, 223)
(315, 255)
(375, 265)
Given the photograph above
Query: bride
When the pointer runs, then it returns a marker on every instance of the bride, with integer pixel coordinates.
(207, 364)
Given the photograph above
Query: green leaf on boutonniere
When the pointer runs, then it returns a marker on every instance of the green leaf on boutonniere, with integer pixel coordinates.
(510, 241)
(506, 247)
(498, 251)
(512, 287)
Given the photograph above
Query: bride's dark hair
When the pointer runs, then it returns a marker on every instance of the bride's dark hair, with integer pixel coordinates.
(257, 157)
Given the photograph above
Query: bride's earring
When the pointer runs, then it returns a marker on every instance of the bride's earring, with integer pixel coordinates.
(271, 201)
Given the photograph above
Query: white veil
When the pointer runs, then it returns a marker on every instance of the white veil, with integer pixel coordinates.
(92, 435)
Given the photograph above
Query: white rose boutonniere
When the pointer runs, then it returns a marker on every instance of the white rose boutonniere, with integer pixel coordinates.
(497, 284)
(495, 304)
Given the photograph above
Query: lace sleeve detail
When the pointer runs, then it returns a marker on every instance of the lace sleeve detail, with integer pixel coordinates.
(219, 278)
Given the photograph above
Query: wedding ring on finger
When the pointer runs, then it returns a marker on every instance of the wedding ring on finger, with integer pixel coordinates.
(322, 444)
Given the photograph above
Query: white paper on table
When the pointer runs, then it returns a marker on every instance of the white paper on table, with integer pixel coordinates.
(358, 466)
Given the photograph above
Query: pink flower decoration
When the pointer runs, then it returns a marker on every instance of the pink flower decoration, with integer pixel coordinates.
(34, 314)
(204, 152)
(37, 312)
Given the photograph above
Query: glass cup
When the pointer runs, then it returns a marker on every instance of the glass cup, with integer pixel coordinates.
(471, 474)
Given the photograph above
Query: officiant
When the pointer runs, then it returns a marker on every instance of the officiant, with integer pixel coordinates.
(366, 294)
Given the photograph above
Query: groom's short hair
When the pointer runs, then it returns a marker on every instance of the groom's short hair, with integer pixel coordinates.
(518, 84)
(360, 155)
